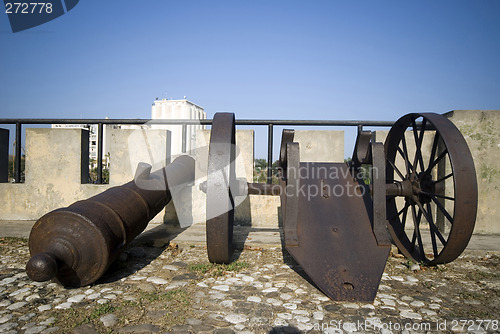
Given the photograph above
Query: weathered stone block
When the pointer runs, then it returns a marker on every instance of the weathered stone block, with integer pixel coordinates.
(480, 130)
(320, 145)
(128, 147)
(57, 156)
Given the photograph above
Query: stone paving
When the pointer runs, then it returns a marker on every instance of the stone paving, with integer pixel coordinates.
(161, 287)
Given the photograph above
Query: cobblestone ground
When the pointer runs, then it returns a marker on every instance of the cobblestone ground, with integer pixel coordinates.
(167, 288)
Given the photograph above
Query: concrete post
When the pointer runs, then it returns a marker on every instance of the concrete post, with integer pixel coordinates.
(128, 147)
(57, 156)
(320, 145)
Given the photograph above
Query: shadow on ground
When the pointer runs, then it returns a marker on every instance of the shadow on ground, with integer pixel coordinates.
(288, 258)
(139, 254)
(285, 330)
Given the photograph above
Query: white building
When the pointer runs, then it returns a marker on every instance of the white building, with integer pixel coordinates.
(178, 109)
(161, 109)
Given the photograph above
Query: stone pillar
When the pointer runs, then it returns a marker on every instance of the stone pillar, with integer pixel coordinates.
(320, 145)
(128, 147)
(57, 156)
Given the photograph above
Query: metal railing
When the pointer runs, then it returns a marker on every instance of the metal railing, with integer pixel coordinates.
(184, 123)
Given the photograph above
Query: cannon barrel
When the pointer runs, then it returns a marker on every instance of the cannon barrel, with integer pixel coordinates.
(75, 245)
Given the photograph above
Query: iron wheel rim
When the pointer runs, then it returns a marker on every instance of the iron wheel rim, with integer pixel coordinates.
(442, 247)
(220, 203)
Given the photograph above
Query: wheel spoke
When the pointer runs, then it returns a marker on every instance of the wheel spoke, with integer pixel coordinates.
(434, 148)
(438, 233)
(409, 167)
(418, 144)
(435, 162)
(396, 169)
(437, 195)
(416, 231)
(428, 217)
(433, 229)
(413, 241)
(443, 178)
(422, 133)
(415, 136)
(405, 214)
(433, 226)
(442, 209)
(400, 212)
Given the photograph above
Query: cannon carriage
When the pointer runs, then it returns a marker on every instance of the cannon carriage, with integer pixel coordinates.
(421, 197)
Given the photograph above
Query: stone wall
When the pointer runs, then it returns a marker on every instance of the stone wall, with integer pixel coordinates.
(481, 130)
(57, 169)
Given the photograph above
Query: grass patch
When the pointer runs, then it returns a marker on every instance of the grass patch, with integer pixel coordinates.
(176, 302)
(75, 317)
(176, 296)
(150, 296)
(214, 270)
(101, 310)
(481, 275)
(471, 295)
(201, 268)
(473, 313)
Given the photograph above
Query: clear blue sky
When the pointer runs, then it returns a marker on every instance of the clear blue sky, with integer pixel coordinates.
(312, 59)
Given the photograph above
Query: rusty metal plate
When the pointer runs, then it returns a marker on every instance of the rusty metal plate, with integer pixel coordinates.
(336, 244)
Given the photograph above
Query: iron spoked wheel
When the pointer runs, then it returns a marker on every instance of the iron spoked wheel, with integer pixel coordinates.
(220, 203)
(432, 217)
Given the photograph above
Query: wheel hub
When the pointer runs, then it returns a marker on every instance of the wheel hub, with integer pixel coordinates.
(422, 185)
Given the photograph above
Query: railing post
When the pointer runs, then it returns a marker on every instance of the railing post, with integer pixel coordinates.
(184, 133)
(17, 161)
(100, 133)
(360, 128)
(270, 153)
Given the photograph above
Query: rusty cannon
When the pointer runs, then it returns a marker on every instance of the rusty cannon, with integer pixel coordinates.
(75, 245)
(420, 194)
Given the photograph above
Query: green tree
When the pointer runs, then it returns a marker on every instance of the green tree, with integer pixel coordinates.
(11, 168)
(93, 175)
(260, 171)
